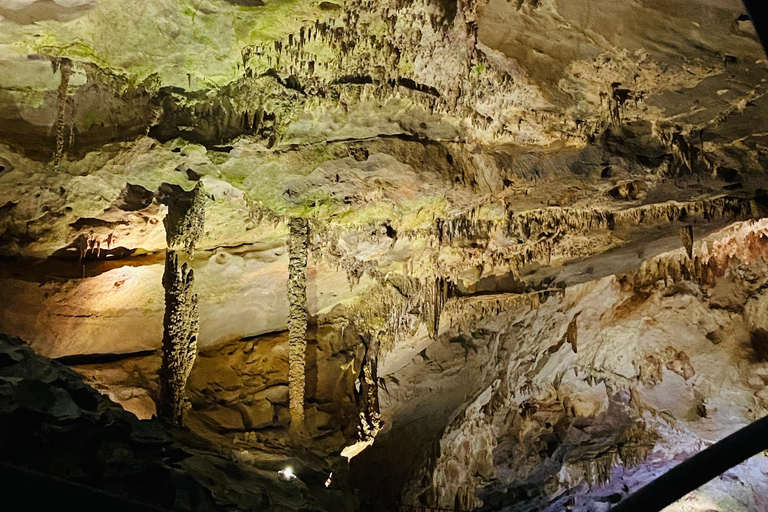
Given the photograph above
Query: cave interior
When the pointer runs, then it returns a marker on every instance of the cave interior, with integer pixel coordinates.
(380, 255)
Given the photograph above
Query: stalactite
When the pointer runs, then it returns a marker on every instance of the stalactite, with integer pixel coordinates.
(571, 334)
(705, 266)
(297, 321)
(686, 237)
(598, 470)
(440, 296)
(258, 213)
(183, 228)
(461, 312)
(370, 415)
(64, 66)
(399, 305)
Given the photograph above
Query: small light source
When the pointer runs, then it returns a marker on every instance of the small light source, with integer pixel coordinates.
(287, 473)
(330, 479)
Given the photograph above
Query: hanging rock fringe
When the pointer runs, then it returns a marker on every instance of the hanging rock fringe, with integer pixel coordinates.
(298, 242)
(707, 264)
(396, 307)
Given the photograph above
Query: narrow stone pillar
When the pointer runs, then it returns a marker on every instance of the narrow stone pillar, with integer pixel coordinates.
(370, 414)
(65, 68)
(298, 242)
(183, 228)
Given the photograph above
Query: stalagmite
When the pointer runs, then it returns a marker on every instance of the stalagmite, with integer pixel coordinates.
(297, 320)
(183, 228)
(65, 68)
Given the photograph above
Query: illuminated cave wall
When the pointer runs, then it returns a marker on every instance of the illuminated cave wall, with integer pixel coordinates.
(544, 218)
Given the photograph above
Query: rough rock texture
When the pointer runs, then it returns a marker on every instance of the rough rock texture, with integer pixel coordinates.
(181, 322)
(297, 319)
(239, 391)
(534, 261)
(656, 377)
(54, 424)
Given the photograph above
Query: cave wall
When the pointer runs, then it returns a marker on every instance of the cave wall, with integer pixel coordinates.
(548, 214)
(607, 386)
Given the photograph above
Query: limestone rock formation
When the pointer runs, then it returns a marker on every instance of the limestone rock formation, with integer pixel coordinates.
(514, 252)
(297, 320)
(64, 431)
(181, 323)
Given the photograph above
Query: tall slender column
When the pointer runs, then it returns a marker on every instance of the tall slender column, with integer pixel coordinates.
(297, 320)
(65, 69)
(183, 228)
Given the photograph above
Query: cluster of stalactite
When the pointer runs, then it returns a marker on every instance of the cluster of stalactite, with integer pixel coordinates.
(463, 227)
(64, 66)
(616, 100)
(685, 153)
(461, 312)
(258, 214)
(298, 243)
(529, 237)
(362, 53)
(397, 306)
(705, 265)
(513, 408)
(184, 227)
(632, 448)
(427, 296)
(597, 471)
(535, 223)
(700, 262)
(678, 141)
(542, 234)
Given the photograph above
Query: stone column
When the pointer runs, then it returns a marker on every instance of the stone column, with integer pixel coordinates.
(298, 241)
(65, 68)
(183, 228)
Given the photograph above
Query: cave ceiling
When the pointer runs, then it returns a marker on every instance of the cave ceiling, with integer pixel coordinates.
(489, 143)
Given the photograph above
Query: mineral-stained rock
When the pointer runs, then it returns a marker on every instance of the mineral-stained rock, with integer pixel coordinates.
(514, 252)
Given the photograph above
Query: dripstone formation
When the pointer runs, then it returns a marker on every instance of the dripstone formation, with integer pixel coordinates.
(485, 255)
